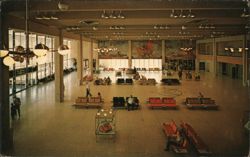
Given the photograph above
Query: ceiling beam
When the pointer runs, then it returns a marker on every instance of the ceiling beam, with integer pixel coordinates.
(88, 5)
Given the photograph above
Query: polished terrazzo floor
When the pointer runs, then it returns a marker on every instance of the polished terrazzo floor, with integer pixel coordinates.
(47, 128)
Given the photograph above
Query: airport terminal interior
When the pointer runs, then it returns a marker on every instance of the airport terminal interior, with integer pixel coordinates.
(125, 78)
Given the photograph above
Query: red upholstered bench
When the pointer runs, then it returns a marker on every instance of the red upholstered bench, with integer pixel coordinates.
(195, 139)
(80, 100)
(170, 129)
(155, 100)
(169, 102)
(94, 102)
(162, 103)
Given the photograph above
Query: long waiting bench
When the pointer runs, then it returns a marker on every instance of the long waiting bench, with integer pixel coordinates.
(171, 130)
(200, 103)
(170, 81)
(195, 139)
(122, 103)
(157, 102)
(119, 103)
(149, 81)
(92, 102)
(122, 81)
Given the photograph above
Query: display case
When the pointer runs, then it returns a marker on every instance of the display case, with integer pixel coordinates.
(105, 126)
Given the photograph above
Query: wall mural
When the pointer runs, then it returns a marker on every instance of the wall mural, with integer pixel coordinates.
(117, 49)
(146, 49)
(180, 49)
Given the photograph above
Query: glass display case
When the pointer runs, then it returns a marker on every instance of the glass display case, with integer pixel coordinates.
(105, 126)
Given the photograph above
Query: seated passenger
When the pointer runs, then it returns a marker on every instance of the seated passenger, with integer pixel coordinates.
(136, 103)
(136, 76)
(99, 95)
(104, 81)
(176, 141)
(108, 81)
(130, 102)
(197, 76)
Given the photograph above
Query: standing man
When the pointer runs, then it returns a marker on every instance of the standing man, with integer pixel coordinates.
(13, 111)
(17, 104)
(88, 90)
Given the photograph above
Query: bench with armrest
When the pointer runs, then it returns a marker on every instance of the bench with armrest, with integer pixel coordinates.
(171, 130)
(200, 103)
(149, 81)
(122, 81)
(195, 139)
(209, 103)
(92, 102)
(119, 103)
(170, 81)
(134, 105)
(157, 102)
(129, 81)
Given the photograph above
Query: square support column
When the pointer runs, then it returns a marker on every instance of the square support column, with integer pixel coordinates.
(59, 85)
(80, 62)
(197, 61)
(91, 58)
(245, 63)
(6, 133)
(129, 54)
(214, 58)
(163, 53)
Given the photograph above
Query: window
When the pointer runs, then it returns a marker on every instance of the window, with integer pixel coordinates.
(147, 63)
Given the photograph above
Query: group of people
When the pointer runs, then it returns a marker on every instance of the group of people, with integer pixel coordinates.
(15, 108)
(132, 102)
(136, 76)
(105, 81)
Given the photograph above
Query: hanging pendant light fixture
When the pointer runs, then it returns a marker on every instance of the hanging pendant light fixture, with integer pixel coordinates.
(4, 52)
(63, 50)
(19, 49)
(8, 61)
(40, 50)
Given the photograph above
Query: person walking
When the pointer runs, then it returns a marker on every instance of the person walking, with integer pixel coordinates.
(180, 74)
(17, 104)
(88, 90)
(13, 111)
